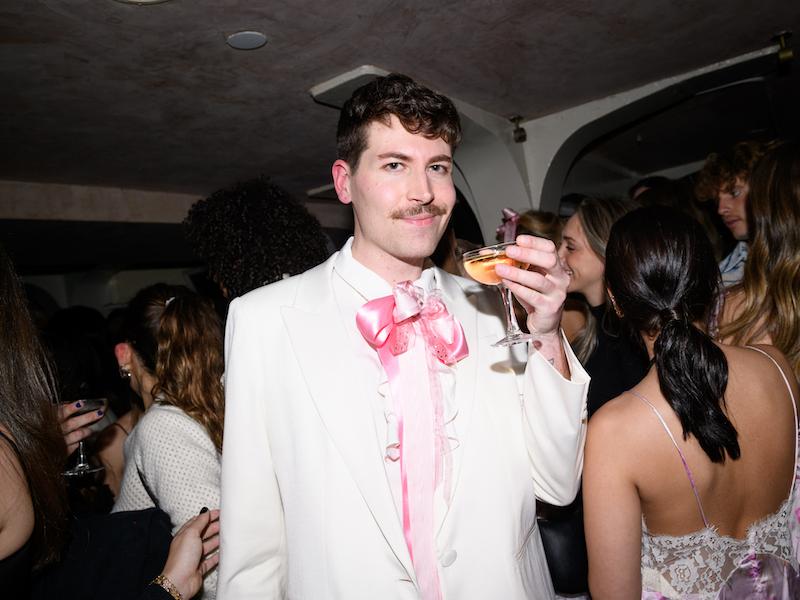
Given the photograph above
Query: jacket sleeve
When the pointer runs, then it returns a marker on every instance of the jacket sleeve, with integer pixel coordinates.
(252, 535)
(554, 414)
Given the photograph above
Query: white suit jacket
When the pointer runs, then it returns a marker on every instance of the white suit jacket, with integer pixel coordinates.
(307, 510)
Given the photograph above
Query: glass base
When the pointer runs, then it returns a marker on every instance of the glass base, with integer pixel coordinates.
(80, 470)
(513, 338)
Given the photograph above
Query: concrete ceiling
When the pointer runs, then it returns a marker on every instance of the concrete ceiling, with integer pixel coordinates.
(98, 92)
(104, 93)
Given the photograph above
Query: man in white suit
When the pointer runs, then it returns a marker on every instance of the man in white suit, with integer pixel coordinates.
(377, 446)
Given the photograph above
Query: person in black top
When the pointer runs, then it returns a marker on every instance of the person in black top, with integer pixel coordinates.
(612, 357)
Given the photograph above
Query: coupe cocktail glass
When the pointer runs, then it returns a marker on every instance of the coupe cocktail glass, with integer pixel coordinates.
(480, 265)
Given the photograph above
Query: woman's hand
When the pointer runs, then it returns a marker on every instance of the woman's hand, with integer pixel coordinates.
(187, 563)
(74, 427)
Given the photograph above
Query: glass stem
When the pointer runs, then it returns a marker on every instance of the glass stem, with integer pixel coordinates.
(81, 454)
(512, 327)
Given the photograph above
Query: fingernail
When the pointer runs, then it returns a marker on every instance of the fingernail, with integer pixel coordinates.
(204, 510)
(100, 412)
(78, 404)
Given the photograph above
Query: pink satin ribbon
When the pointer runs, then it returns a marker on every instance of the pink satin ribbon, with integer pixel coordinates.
(508, 230)
(391, 325)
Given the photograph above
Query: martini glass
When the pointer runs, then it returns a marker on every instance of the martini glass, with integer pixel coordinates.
(480, 264)
(83, 467)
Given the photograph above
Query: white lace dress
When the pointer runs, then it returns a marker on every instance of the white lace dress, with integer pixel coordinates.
(706, 565)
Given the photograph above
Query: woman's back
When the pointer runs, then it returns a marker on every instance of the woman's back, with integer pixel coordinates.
(692, 543)
(734, 493)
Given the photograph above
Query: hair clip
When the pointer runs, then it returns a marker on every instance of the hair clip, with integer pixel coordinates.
(166, 304)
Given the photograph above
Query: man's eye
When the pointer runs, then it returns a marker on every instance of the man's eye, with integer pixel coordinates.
(443, 169)
(392, 166)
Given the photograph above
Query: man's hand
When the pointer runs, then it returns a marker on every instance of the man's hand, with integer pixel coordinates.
(541, 290)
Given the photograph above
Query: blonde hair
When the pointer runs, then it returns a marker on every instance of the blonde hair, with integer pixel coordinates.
(771, 303)
(189, 362)
(540, 223)
(596, 216)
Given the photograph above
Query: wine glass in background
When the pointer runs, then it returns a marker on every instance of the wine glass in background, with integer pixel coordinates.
(480, 265)
(82, 467)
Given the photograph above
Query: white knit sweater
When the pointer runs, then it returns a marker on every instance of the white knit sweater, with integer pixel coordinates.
(171, 463)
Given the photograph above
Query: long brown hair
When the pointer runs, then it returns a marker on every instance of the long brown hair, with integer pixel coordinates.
(771, 302)
(28, 413)
(189, 363)
(597, 216)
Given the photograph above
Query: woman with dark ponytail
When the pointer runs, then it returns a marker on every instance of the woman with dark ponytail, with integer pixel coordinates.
(689, 479)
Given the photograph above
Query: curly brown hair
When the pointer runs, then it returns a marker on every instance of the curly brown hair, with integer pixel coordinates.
(721, 169)
(189, 363)
(419, 109)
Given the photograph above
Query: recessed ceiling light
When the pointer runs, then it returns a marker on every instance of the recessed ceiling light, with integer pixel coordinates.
(246, 40)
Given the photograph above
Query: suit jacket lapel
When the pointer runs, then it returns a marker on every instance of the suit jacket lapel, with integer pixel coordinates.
(342, 396)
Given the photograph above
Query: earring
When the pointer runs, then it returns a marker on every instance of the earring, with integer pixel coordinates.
(617, 311)
(124, 372)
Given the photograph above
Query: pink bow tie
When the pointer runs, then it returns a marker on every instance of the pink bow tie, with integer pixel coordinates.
(388, 323)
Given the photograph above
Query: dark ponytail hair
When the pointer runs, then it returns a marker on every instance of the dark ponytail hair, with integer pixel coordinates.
(660, 268)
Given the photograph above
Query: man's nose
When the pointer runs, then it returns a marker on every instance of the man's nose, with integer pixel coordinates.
(420, 189)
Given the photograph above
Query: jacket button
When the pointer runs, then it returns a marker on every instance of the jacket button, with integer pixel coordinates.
(448, 558)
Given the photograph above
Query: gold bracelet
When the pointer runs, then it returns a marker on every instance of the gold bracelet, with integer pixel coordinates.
(168, 586)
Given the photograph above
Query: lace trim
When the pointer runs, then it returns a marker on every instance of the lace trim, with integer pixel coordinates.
(702, 561)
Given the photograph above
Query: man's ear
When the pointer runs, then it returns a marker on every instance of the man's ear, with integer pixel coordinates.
(341, 180)
(124, 354)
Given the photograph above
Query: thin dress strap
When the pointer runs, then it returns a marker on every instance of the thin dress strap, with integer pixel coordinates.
(680, 453)
(119, 426)
(794, 410)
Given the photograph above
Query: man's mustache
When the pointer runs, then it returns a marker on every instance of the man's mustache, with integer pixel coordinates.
(434, 210)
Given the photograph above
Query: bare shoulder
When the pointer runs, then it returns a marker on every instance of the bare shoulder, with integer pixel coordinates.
(750, 368)
(16, 507)
(610, 428)
(113, 437)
